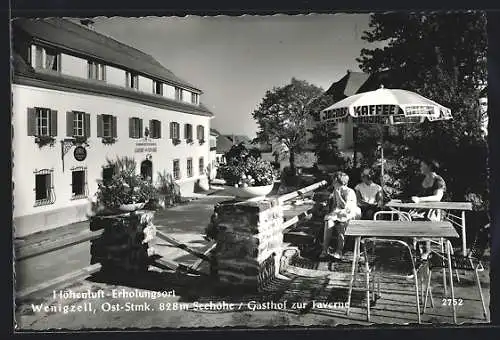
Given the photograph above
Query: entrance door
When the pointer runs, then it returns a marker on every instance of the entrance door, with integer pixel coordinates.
(147, 170)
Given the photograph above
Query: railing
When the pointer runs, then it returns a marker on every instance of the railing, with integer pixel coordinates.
(301, 192)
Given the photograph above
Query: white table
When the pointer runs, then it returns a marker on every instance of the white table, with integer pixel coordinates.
(396, 229)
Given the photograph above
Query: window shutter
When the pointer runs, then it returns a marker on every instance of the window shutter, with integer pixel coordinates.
(131, 127)
(53, 123)
(31, 122)
(171, 130)
(159, 129)
(185, 131)
(151, 128)
(87, 124)
(114, 127)
(69, 123)
(100, 126)
(140, 128)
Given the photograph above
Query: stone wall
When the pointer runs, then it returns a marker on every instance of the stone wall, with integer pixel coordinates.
(249, 242)
(123, 245)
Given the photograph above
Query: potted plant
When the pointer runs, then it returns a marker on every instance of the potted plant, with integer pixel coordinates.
(168, 190)
(126, 191)
(246, 176)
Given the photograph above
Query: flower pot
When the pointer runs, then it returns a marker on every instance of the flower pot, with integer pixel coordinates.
(249, 192)
(131, 206)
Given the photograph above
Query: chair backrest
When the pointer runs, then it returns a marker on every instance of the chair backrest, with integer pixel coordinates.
(480, 243)
(389, 256)
(392, 215)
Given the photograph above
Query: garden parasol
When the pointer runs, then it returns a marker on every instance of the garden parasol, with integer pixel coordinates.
(385, 107)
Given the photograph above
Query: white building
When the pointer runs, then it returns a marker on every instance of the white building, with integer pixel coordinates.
(92, 98)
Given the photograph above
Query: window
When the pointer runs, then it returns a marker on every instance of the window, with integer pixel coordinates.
(200, 132)
(135, 127)
(188, 131)
(201, 166)
(79, 183)
(190, 167)
(96, 71)
(178, 94)
(47, 58)
(158, 87)
(42, 187)
(106, 126)
(132, 80)
(195, 98)
(177, 169)
(107, 173)
(77, 124)
(39, 52)
(155, 128)
(44, 190)
(52, 60)
(42, 122)
(175, 130)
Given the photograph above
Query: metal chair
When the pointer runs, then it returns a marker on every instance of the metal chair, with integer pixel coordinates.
(470, 262)
(396, 215)
(401, 215)
(391, 258)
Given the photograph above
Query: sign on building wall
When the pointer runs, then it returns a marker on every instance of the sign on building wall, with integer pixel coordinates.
(145, 147)
(80, 153)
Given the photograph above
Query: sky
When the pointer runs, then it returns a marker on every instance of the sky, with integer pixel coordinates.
(235, 60)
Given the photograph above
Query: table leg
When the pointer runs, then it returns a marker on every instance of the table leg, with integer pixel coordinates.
(464, 240)
(444, 271)
(355, 256)
(448, 252)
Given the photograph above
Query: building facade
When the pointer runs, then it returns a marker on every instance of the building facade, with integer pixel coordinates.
(80, 99)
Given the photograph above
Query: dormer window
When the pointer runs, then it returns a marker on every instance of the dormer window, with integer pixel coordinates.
(132, 80)
(195, 98)
(96, 71)
(178, 94)
(158, 87)
(46, 58)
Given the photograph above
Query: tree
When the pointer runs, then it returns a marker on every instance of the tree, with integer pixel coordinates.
(441, 56)
(324, 136)
(282, 116)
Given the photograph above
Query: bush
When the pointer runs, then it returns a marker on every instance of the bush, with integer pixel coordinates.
(126, 187)
(168, 188)
(242, 168)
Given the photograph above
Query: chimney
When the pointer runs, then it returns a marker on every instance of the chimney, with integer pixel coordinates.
(87, 23)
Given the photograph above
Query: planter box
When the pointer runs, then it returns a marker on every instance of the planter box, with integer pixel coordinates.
(249, 192)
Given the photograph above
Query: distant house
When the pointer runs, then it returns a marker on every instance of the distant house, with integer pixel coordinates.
(223, 145)
(212, 163)
(237, 139)
(348, 85)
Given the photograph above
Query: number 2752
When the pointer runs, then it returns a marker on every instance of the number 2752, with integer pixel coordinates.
(449, 302)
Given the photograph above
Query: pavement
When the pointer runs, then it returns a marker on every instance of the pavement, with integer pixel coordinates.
(302, 297)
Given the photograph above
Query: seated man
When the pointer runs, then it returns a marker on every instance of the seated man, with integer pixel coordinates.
(369, 195)
(342, 208)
